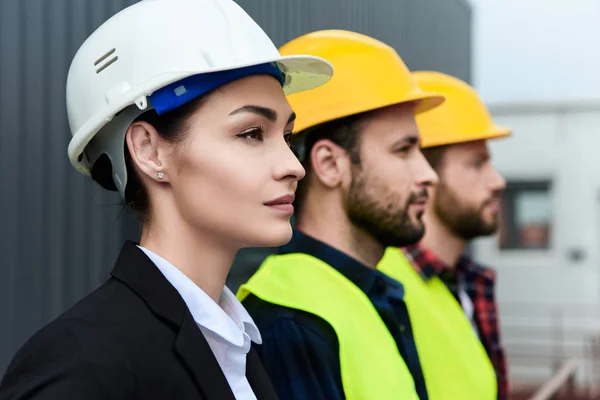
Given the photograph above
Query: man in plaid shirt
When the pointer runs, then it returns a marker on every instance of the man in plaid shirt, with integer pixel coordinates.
(464, 205)
(477, 282)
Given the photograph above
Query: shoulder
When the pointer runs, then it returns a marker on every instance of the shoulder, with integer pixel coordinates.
(477, 269)
(285, 324)
(299, 350)
(69, 355)
(111, 309)
(66, 340)
(95, 344)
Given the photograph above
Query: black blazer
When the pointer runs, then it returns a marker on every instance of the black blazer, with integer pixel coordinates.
(132, 338)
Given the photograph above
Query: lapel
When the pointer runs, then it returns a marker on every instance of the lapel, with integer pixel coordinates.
(136, 271)
(257, 377)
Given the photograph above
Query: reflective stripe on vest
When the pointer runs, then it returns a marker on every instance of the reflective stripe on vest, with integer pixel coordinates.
(454, 361)
(371, 366)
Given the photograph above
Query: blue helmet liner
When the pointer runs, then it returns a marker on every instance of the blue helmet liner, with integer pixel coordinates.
(185, 90)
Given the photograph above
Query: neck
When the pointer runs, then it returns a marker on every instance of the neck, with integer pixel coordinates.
(200, 256)
(333, 227)
(441, 241)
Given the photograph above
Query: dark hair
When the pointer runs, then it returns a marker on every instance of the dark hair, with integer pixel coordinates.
(345, 132)
(172, 127)
(435, 156)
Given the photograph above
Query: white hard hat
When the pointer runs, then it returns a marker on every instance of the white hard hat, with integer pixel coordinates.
(137, 60)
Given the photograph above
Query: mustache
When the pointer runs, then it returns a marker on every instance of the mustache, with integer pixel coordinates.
(418, 197)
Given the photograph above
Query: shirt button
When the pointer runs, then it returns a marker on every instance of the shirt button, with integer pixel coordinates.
(402, 328)
(380, 285)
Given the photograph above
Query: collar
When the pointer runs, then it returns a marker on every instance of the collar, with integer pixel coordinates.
(358, 273)
(429, 265)
(227, 319)
(137, 272)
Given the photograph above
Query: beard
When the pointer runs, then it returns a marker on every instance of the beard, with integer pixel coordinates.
(466, 222)
(372, 207)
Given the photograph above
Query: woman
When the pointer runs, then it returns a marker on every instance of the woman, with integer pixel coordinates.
(178, 105)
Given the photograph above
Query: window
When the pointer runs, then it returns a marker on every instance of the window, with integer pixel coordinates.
(526, 216)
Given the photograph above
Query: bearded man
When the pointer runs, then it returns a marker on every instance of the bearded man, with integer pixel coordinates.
(334, 327)
(442, 281)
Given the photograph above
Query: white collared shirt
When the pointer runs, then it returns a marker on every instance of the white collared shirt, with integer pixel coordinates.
(227, 326)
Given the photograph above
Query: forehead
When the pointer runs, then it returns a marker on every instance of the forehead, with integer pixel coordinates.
(391, 123)
(456, 152)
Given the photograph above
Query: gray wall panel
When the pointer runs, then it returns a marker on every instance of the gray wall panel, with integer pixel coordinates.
(30, 153)
(428, 34)
(54, 189)
(60, 233)
(10, 78)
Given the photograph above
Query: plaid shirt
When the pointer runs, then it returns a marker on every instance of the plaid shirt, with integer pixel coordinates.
(479, 284)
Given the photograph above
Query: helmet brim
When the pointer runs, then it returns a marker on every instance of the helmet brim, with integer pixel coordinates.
(304, 72)
(425, 100)
(495, 132)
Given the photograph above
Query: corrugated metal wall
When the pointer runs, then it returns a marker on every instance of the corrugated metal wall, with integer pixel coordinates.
(432, 34)
(60, 234)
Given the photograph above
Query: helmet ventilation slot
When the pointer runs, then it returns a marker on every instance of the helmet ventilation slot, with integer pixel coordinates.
(104, 62)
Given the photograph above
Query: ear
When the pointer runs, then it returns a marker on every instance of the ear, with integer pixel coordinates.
(330, 163)
(147, 151)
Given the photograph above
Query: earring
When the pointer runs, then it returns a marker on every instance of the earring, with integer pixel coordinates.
(160, 175)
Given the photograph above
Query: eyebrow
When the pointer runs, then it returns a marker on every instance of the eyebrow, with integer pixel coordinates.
(412, 139)
(292, 117)
(266, 112)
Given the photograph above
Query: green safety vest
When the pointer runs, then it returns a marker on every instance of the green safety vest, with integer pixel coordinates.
(371, 366)
(454, 362)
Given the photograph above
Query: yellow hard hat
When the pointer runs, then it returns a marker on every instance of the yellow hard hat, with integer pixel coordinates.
(462, 118)
(368, 74)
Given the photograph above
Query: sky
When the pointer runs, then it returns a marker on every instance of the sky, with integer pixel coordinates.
(536, 50)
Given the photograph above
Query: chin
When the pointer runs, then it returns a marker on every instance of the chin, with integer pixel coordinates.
(492, 222)
(491, 230)
(272, 234)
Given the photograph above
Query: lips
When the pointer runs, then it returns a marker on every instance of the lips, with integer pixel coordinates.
(287, 199)
(282, 204)
(420, 201)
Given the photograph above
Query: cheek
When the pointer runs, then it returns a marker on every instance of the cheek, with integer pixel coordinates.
(452, 199)
(466, 186)
(389, 190)
(217, 185)
(390, 170)
(401, 181)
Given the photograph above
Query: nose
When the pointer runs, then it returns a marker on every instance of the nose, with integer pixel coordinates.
(287, 166)
(497, 181)
(423, 173)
